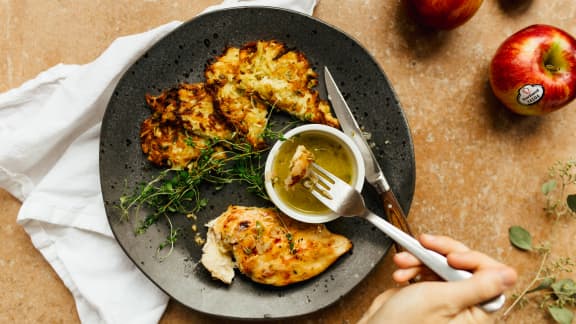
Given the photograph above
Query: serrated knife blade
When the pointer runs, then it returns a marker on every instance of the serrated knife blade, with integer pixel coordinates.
(374, 174)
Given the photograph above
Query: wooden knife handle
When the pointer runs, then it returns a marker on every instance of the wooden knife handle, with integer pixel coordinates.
(395, 215)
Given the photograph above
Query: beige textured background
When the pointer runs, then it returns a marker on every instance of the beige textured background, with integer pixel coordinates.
(479, 168)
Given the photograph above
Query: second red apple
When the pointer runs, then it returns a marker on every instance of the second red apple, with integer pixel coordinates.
(443, 14)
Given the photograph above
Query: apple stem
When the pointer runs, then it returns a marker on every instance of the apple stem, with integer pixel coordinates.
(552, 68)
(553, 59)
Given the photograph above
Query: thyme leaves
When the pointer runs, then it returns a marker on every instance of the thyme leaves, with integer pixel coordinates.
(178, 191)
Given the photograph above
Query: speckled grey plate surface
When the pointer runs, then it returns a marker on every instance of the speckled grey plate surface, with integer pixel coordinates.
(181, 57)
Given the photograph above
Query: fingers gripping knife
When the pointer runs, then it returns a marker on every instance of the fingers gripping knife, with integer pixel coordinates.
(374, 174)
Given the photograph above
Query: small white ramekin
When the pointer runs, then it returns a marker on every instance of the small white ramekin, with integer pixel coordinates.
(336, 134)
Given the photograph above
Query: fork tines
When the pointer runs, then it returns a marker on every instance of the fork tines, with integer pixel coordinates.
(321, 182)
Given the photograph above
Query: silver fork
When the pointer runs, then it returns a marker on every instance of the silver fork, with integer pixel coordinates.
(344, 200)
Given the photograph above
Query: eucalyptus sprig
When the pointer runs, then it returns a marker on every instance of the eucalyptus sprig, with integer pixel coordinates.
(557, 296)
(562, 178)
(553, 293)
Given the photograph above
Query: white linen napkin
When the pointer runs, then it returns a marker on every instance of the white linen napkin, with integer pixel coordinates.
(50, 129)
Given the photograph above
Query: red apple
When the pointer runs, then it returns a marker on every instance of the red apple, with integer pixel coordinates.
(534, 71)
(443, 14)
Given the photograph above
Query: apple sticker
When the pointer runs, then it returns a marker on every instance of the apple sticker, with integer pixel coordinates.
(530, 94)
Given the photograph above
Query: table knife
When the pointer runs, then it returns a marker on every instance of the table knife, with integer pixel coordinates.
(374, 174)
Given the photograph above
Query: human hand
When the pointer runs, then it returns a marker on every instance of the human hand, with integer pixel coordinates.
(437, 301)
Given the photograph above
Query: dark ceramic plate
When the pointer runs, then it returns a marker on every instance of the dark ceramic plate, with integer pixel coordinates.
(181, 57)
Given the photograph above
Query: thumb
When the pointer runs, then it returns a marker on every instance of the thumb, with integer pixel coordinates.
(482, 286)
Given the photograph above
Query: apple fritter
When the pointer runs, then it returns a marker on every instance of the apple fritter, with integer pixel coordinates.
(193, 107)
(284, 79)
(269, 247)
(246, 112)
(168, 145)
(183, 124)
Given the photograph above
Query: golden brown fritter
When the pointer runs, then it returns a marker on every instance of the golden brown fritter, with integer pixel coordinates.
(269, 247)
(284, 79)
(191, 106)
(168, 145)
(246, 112)
(240, 85)
(183, 124)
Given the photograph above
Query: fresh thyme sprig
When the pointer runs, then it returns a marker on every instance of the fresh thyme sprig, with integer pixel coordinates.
(249, 171)
(169, 241)
(177, 191)
(172, 191)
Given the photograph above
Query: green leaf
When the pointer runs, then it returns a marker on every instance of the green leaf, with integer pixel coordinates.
(561, 315)
(520, 238)
(548, 186)
(565, 287)
(571, 201)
